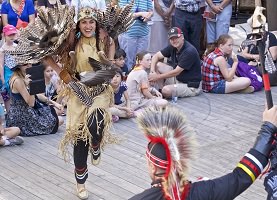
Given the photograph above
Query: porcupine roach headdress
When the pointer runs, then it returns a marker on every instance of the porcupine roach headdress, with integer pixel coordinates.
(169, 127)
(46, 36)
(116, 20)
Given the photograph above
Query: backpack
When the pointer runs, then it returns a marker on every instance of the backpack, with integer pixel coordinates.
(251, 72)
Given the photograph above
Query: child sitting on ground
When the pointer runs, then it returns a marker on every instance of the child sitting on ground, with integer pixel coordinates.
(119, 61)
(51, 89)
(140, 92)
(9, 136)
(120, 109)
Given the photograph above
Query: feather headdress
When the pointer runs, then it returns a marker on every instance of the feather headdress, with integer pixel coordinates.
(169, 127)
(45, 37)
(116, 20)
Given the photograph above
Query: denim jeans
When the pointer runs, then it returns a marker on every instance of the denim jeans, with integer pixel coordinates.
(190, 24)
(132, 46)
(221, 26)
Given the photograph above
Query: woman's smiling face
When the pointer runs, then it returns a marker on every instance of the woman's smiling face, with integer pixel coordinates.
(87, 27)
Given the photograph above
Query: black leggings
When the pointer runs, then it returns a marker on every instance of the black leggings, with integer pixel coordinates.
(80, 151)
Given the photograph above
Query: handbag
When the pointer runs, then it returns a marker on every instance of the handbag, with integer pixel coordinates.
(20, 23)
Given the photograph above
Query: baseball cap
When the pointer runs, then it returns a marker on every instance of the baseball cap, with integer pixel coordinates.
(9, 30)
(175, 31)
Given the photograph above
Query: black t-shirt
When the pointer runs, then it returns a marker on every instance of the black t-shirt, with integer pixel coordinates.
(188, 59)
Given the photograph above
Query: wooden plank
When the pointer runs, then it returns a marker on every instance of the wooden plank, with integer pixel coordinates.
(226, 127)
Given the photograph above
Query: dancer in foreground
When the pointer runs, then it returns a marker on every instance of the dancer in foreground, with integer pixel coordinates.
(171, 147)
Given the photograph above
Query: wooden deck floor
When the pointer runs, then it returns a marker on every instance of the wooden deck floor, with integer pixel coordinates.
(226, 127)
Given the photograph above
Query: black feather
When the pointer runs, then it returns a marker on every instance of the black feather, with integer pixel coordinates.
(96, 65)
(47, 39)
(100, 77)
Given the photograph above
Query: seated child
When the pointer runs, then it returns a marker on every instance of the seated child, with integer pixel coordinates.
(119, 61)
(51, 88)
(9, 136)
(140, 92)
(120, 109)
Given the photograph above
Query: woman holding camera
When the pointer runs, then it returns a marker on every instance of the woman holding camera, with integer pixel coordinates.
(31, 113)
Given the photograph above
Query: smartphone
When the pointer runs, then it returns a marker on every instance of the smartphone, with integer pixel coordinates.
(37, 85)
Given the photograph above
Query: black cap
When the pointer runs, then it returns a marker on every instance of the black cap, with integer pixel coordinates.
(175, 31)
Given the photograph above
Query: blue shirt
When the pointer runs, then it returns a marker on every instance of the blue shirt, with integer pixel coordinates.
(28, 9)
(139, 28)
(118, 94)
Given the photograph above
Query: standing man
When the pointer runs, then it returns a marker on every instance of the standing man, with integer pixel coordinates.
(222, 12)
(188, 17)
(183, 63)
(136, 39)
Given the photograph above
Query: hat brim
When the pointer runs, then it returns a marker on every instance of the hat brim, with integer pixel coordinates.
(174, 35)
(10, 32)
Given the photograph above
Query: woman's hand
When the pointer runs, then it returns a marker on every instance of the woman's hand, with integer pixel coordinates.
(152, 77)
(27, 79)
(235, 57)
(59, 106)
(255, 57)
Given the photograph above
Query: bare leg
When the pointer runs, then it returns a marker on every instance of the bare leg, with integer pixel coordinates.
(11, 132)
(237, 84)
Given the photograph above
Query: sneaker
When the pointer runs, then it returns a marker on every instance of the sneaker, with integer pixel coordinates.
(16, 141)
(115, 118)
(95, 155)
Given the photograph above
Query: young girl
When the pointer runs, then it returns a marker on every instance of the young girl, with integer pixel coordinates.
(120, 108)
(140, 93)
(51, 88)
(6, 63)
(216, 76)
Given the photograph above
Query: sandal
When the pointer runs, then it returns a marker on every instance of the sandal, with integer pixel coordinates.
(82, 193)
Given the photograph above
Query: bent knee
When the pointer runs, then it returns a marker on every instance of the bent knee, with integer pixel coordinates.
(246, 81)
(162, 102)
(166, 91)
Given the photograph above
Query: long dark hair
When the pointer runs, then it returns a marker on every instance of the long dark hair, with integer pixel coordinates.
(70, 44)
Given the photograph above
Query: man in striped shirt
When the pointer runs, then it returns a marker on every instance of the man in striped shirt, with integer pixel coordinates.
(136, 38)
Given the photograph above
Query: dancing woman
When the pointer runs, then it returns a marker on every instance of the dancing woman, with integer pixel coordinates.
(87, 120)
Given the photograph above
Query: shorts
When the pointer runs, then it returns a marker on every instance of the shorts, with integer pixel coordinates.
(219, 88)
